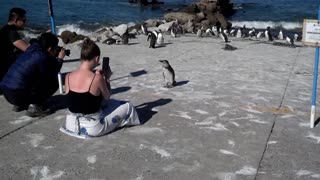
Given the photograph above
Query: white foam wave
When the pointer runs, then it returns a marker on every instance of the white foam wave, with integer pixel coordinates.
(73, 28)
(265, 24)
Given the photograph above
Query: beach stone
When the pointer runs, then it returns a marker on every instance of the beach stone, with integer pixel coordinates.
(191, 9)
(188, 27)
(70, 37)
(121, 29)
(200, 16)
(166, 26)
(180, 16)
(152, 23)
(223, 21)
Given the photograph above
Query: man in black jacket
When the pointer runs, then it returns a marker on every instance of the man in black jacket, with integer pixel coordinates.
(32, 79)
(11, 44)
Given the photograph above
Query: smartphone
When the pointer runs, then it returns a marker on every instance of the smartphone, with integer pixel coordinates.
(105, 66)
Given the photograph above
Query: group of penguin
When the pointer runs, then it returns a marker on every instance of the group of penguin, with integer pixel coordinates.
(155, 36)
(243, 32)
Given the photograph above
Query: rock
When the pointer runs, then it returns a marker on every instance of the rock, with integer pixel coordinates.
(223, 21)
(166, 26)
(152, 23)
(205, 24)
(188, 27)
(182, 17)
(71, 37)
(121, 29)
(200, 16)
(193, 8)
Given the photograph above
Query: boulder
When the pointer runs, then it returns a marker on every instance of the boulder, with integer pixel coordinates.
(223, 21)
(121, 29)
(193, 8)
(70, 37)
(166, 26)
(152, 23)
(182, 17)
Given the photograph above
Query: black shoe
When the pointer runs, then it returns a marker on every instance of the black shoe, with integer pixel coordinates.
(18, 108)
(37, 111)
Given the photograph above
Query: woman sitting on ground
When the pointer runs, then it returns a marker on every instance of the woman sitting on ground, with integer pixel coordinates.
(91, 112)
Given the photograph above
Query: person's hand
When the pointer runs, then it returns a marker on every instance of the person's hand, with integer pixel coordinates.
(62, 53)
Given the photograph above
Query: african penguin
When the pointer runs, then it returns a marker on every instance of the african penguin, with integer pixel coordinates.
(289, 40)
(199, 33)
(125, 38)
(224, 36)
(144, 29)
(173, 32)
(233, 32)
(268, 34)
(252, 32)
(239, 33)
(209, 32)
(160, 38)
(259, 35)
(168, 74)
(280, 36)
(153, 39)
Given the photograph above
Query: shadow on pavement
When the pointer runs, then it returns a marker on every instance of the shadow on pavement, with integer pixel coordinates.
(145, 110)
(120, 89)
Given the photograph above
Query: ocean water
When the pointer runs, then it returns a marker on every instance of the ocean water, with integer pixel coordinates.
(85, 16)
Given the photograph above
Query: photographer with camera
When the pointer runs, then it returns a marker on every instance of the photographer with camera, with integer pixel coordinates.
(32, 79)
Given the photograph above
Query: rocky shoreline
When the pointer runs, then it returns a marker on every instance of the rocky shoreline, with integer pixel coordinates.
(203, 14)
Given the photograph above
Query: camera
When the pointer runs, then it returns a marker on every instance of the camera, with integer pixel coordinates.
(67, 51)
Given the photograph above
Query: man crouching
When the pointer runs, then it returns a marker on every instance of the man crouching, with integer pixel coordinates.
(32, 79)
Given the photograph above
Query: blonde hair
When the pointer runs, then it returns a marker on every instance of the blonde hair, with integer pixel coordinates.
(89, 50)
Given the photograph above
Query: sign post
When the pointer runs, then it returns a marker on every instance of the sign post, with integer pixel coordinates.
(53, 29)
(311, 37)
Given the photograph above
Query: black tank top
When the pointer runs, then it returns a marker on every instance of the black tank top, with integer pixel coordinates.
(84, 102)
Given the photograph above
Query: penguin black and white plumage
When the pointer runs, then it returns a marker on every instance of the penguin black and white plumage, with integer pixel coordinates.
(110, 41)
(144, 29)
(200, 33)
(239, 33)
(244, 31)
(259, 35)
(160, 39)
(290, 40)
(268, 34)
(215, 30)
(297, 37)
(209, 32)
(125, 38)
(280, 35)
(233, 32)
(173, 32)
(252, 32)
(153, 39)
(223, 36)
(168, 74)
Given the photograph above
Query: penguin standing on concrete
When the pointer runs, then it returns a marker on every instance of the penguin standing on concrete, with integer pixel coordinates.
(144, 29)
(252, 32)
(259, 35)
(280, 36)
(290, 40)
(153, 39)
(233, 32)
(173, 32)
(125, 38)
(268, 34)
(168, 74)
(208, 32)
(199, 33)
(239, 33)
(223, 36)
(160, 39)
